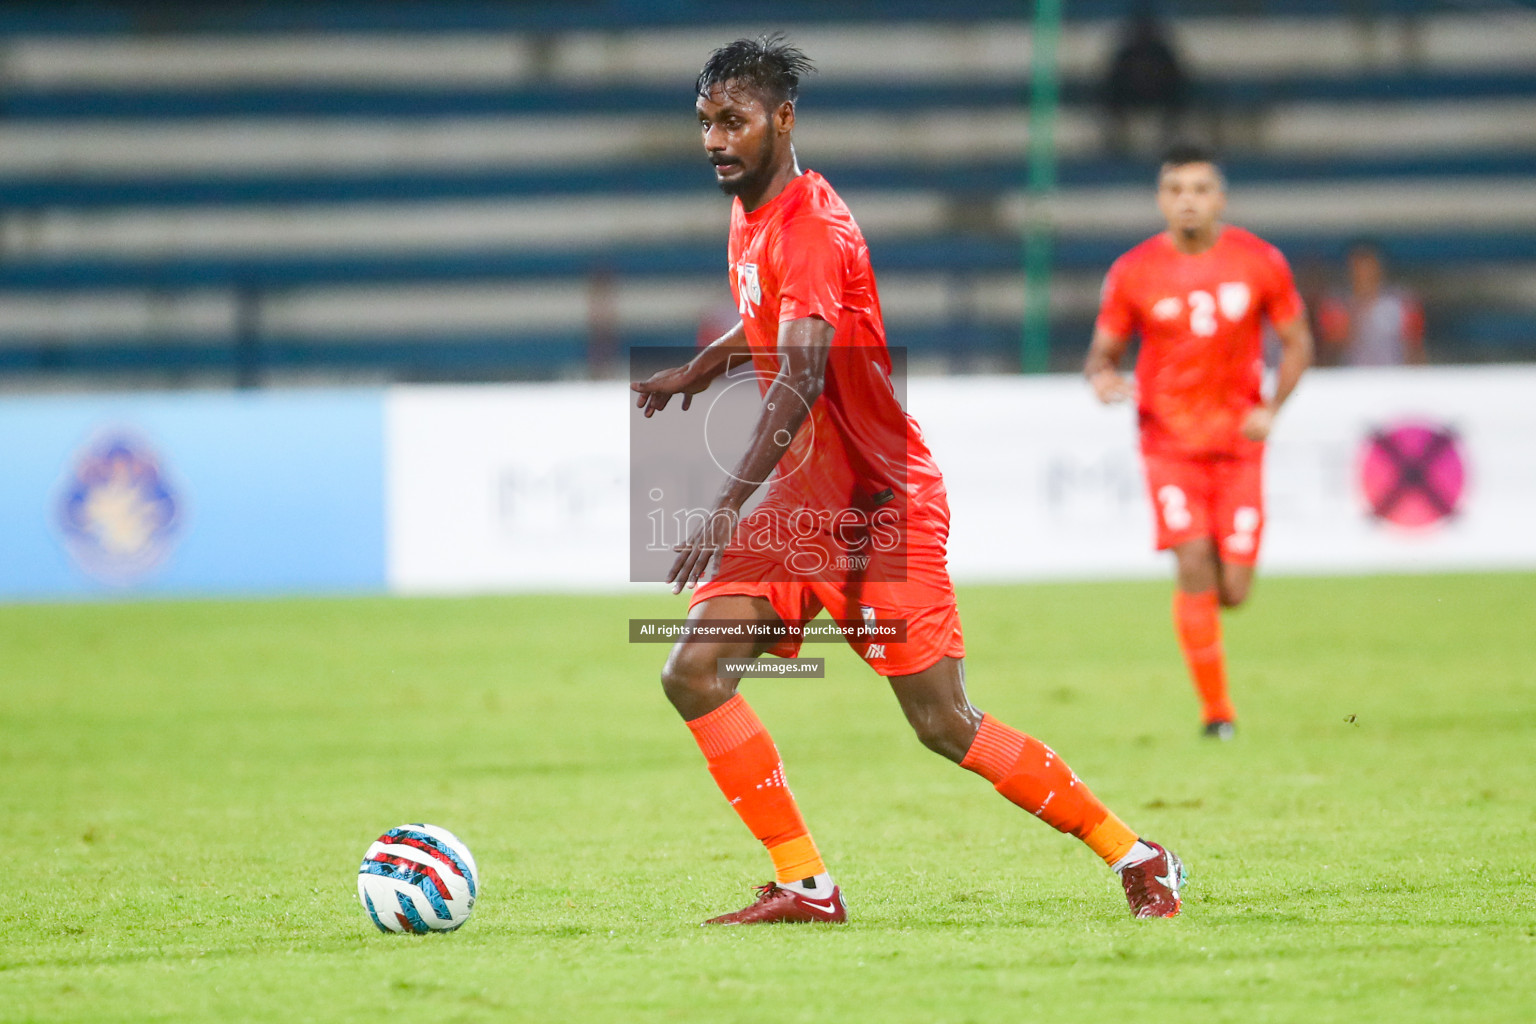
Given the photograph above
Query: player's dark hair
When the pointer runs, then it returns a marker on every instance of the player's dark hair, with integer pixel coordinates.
(1181, 153)
(768, 65)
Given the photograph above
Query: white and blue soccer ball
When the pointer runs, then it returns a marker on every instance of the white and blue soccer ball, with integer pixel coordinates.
(418, 878)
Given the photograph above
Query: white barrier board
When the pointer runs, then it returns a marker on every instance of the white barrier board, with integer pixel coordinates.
(524, 487)
(1045, 483)
(517, 487)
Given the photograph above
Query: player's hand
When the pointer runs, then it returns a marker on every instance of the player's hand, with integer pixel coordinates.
(657, 390)
(697, 553)
(1109, 387)
(1258, 423)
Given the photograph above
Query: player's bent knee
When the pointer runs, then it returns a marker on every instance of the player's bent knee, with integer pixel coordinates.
(1197, 566)
(946, 732)
(687, 672)
(691, 683)
(1233, 591)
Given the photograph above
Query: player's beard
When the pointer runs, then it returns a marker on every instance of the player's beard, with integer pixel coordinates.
(752, 181)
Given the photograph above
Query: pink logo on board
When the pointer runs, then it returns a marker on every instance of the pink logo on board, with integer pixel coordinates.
(1413, 473)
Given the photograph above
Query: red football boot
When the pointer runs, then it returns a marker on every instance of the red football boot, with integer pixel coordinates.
(1152, 887)
(775, 903)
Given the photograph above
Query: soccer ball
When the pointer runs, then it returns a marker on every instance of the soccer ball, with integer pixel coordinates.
(418, 878)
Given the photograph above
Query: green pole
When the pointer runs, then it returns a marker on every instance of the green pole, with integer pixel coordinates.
(1035, 346)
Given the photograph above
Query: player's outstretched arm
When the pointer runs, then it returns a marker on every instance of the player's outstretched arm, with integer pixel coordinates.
(1295, 357)
(1103, 368)
(693, 376)
(803, 348)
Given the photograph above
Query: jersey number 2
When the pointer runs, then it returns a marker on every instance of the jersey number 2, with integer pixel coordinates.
(1175, 507)
(1202, 313)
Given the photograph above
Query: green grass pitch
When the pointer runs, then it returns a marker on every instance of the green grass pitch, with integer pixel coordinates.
(189, 787)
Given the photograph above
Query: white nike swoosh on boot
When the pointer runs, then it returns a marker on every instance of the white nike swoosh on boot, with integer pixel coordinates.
(830, 907)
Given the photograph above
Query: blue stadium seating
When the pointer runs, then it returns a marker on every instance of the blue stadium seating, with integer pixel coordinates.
(97, 192)
(104, 18)
(980, 244)
(319, 102)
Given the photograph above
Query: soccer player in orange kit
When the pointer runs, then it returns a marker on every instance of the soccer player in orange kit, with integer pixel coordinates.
(842, 453)
(1197, 295)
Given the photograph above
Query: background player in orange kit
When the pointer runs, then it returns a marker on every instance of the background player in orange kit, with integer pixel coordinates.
(846, 452)
(1197, 295)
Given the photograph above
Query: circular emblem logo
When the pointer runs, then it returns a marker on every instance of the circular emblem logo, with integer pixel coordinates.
(118, 513)
(1413, 473)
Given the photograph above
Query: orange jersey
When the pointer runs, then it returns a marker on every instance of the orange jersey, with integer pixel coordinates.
(801, 255)
(1200, 322)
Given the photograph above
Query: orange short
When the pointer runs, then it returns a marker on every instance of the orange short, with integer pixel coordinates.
(1219, 497)
(924, 599)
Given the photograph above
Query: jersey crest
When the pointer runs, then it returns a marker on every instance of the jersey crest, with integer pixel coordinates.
(1233, 297)
(749, 289)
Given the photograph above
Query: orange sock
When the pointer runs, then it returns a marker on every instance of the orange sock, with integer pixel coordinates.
(1197, 620)
(747, 768)
(1030, 774)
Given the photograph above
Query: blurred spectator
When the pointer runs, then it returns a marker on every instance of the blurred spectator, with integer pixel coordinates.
(1313, 276)
(1145, 77)
(1373, 324)
(602, 322)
